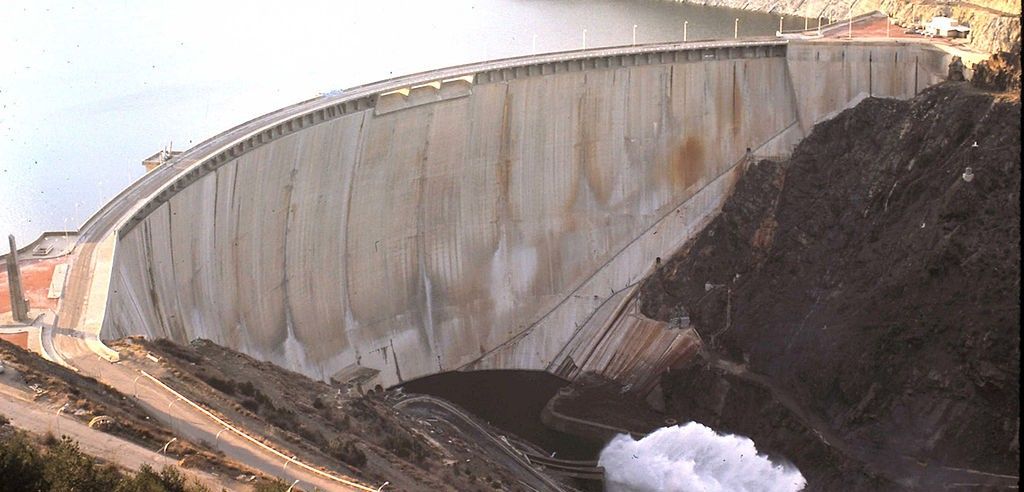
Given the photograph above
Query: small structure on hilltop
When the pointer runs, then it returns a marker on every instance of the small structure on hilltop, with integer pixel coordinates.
(946, 27)
(157, 159)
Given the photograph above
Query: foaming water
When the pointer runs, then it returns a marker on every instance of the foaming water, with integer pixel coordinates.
(693, 457)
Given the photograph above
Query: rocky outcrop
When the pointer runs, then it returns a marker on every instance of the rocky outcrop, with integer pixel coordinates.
(874, 281)
(1000, 73)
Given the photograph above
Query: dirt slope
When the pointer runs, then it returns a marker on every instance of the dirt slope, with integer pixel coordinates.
(873, 284)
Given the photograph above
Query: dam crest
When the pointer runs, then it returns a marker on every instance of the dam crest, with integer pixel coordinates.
(487, 216)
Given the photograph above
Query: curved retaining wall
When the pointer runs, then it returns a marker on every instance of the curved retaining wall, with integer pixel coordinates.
(490, 221)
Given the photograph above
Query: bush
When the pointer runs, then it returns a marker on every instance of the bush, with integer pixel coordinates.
(20, 465)
(68, 469)
(64, 468)
(168, 480)
(246, 388)
(222, 385)
(273, 486)
(348, 452)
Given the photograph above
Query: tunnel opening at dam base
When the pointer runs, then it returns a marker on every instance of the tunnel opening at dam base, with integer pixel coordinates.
(511, 400)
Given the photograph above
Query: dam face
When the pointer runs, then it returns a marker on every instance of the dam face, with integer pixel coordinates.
(492, 221)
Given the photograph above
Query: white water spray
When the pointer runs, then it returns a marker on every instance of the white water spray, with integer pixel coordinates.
(693, 457)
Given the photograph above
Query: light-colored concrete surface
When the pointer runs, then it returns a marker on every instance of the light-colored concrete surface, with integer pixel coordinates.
(481, 230)
(60, 274)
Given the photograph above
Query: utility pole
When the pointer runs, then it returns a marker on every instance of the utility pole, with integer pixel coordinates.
(19, 305)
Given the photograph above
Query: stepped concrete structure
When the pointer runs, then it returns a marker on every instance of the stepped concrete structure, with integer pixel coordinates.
(487, 216)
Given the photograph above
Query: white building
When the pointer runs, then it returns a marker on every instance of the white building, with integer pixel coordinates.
(946, 27)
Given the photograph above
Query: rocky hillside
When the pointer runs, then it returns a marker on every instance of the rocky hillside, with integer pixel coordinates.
(875, 288)
(995, 24)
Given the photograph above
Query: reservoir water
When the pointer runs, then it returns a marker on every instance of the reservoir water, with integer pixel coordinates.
(87, 91)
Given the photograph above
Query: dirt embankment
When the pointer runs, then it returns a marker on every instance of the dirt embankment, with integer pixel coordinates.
(361, 436)
(868, 280)
(87, 400)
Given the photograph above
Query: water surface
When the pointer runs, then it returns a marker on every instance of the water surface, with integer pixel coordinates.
(88, 90)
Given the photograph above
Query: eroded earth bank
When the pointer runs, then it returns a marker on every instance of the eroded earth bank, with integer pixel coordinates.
(858, 303)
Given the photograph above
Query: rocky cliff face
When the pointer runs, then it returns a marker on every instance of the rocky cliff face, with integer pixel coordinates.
(995, 24)
(874, 285)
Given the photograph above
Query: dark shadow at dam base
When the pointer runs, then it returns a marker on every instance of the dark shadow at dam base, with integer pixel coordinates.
(511, 400)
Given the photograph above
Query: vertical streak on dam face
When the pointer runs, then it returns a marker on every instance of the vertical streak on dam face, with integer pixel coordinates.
(488, 225)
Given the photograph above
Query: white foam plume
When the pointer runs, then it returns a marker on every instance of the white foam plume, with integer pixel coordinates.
(693, 457)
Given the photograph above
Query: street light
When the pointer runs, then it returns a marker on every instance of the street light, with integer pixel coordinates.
(292, 485)
(163, 450)
(780, 24)
(634, 34)
(684, 30)
(382, 486)
(59, 410)
(169, 415)
(285, 467)
(584, 39)
(736, 29)
(216, 438)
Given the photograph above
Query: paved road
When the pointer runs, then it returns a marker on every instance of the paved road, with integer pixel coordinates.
(195, 426)
(428, 406)
(26, 415)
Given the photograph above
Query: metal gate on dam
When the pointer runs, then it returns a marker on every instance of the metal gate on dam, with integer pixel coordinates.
(487, 216)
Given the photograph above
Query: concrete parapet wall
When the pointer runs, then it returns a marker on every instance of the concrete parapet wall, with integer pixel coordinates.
(480, 225)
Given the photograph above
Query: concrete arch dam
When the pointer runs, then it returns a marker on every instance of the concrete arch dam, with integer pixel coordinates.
(486, 216)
